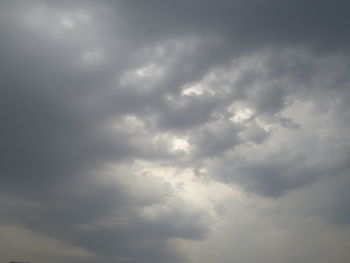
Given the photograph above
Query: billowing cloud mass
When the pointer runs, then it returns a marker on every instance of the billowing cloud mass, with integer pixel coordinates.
(175, 131)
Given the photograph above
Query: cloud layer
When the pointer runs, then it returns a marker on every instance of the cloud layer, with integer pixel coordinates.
(159, 131)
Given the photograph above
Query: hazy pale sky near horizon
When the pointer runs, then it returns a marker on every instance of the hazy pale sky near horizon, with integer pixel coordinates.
(175, 131)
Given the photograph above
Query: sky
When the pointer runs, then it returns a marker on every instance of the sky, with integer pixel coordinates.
(181, 131)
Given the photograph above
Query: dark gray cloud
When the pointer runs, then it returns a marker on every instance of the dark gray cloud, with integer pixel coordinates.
(249, 93)
(56, 121)
(246, 24)
(213, 141)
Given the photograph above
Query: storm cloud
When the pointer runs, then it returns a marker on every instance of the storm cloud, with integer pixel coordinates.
(161, 131)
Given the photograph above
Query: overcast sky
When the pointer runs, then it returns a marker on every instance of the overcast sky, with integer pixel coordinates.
(189, 131)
